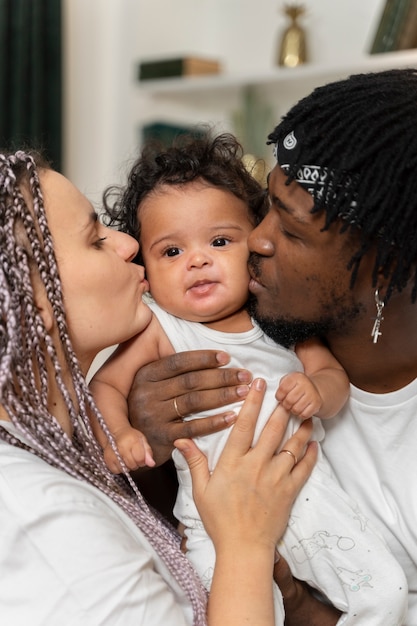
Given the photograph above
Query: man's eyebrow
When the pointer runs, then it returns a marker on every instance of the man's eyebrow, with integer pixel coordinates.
(275, 200)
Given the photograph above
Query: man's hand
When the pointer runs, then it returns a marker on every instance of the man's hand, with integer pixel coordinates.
(301, 608)
(197, 382)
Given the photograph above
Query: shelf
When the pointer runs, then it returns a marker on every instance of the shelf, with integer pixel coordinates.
(216, 99)
(308, 76)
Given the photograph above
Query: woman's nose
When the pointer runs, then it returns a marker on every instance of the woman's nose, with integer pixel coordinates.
(126, 246)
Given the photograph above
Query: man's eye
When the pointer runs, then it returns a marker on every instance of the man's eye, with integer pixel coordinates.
(220, 241)
(287, 234)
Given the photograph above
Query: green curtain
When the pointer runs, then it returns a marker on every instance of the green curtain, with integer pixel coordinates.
(31, 76)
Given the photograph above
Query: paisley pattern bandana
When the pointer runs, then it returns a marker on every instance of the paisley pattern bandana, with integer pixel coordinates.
(311, 177)
(316, 179)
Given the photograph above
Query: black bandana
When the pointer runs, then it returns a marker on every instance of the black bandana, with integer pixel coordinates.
(316, 179)
(311, 177)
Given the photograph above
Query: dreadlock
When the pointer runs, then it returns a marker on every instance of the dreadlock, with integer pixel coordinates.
(364, 130)
(217, 161)
(26, 246)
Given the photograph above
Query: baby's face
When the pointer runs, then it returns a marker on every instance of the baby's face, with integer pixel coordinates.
(194, 244)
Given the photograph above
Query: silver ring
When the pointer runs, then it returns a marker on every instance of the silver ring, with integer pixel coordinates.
(291, 454)
(177, 410)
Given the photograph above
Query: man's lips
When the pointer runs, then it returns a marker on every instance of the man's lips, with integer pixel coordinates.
(254, 281)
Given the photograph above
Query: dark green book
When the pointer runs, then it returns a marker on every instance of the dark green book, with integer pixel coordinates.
(165, 132)
(407, 37)
(183, 66)
(391, 23)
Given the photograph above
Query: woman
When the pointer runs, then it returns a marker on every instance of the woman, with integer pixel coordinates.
(78, 544)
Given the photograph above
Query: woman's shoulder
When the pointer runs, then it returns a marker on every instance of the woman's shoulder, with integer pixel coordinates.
(80, 546)
(32, 486)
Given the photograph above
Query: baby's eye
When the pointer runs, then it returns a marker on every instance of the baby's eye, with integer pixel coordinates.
(220, 241)
(173, 251)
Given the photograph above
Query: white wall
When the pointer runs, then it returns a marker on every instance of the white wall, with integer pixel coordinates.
(105, 39)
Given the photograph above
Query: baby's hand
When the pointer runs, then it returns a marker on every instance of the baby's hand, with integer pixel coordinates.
(133, 448)
(299, 395)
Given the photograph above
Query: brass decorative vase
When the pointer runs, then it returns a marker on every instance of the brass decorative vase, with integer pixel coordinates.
(292, 51)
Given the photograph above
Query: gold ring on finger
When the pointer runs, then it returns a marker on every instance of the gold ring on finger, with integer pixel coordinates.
(177, 410)
(291, 454)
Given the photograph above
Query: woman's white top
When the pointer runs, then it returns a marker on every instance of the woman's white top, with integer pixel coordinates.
(70, 556)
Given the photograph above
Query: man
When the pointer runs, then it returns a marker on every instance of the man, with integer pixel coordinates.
(336, 256)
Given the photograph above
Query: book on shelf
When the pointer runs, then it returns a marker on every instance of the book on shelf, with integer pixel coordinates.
(166, 132)
(407, 37)
(393, 20)
(178, 66)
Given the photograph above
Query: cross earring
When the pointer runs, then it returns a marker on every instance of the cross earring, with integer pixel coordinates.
(376, 333)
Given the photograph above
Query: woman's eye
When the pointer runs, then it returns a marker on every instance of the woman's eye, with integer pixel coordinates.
(220, 241)
(171, 251)
(99, 243)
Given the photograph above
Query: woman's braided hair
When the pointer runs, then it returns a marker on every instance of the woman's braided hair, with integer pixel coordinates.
(26, 246)
(364, 129)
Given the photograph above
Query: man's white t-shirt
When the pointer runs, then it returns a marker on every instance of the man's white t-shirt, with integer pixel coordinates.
(372, 448)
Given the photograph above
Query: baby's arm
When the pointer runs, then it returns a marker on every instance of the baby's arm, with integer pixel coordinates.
(110, 387)
(321, 390)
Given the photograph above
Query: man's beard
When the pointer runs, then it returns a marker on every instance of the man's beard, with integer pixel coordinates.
(289, 332)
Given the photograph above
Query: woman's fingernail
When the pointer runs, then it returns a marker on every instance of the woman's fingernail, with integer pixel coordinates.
(259, 384)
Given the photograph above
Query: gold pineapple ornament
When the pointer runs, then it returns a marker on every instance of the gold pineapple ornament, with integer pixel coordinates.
(292, 50)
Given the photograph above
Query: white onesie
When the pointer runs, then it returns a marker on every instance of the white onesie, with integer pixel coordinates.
(328, 543)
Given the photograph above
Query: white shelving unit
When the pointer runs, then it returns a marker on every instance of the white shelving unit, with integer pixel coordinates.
(215, 97)
(309, 73)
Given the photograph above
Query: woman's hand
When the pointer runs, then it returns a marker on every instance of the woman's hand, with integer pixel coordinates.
(245, 505)
(196, 381)
(252, 484)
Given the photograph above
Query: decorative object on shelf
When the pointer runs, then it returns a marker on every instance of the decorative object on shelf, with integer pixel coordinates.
(292, 49)
(179, 66)
(257, 167)
(397, 28)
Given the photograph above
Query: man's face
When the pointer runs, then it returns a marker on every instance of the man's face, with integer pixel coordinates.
(300, 281)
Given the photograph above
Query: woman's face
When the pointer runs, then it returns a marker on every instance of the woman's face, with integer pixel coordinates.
(102, 288)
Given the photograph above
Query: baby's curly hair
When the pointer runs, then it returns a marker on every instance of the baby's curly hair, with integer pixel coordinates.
(214, 160)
